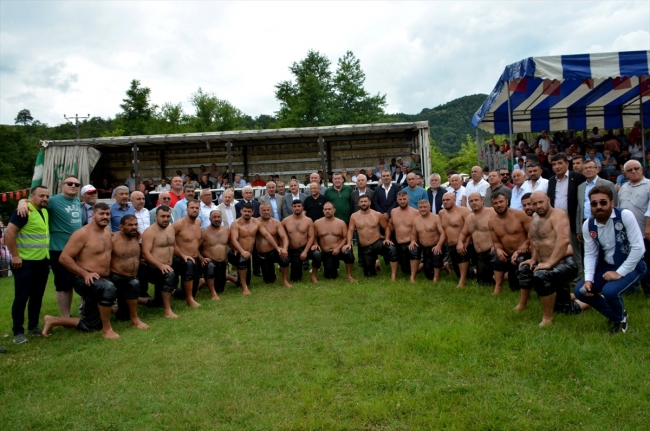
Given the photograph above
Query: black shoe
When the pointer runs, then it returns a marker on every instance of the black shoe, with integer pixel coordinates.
(36, 331)
(3, 350)
(257, 274)
(619, 327)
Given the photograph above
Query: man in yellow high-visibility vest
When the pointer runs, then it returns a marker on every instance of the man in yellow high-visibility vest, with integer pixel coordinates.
(28, 241)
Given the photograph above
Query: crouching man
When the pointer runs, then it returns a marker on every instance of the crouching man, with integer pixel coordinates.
(87, 255)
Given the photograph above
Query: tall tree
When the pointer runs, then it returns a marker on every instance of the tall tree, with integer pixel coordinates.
(136, 109)
(352, 103)
(307, 101)
(24, 117)
(214, 114)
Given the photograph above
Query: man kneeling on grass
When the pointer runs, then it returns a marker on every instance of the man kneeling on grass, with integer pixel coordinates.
(91, 246)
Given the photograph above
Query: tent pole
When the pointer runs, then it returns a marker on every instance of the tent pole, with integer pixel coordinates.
(136, 188)
(645, 161)
(478, 153)
(512, 159)
(231, 177)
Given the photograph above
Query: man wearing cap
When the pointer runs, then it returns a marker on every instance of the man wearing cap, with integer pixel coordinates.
(89, 195)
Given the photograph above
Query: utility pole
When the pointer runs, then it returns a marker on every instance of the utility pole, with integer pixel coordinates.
(76, 121)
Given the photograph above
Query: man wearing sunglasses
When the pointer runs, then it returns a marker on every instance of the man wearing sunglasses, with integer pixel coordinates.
(613, 257)
(64, 212)
(635, 196)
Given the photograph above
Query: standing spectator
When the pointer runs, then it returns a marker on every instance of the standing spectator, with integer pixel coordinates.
(635, 135)
(518, 191)
(205, 182)
(635, 196)
(227, 208)
(192, 175)
(206, 207)
(495, 186)
(362, 189)
(150, 199)
(28, 240)
(130, 182)
(315, 178)
(120, 207)
(534, 182)
(477, 184)
(280, 188)
(105, 191)
(180, 209)
(416, 164)
(176, 191)
(435, 193)
(370, 176)
(214, 172)
(544, 141)
(399, 176)
(456, 188)
(504, 173)
(583, 212)
(313, 204)
(273, 200)
(140, 212)
(384, 198)
(415, 192)
(89, 195)
(339, 194)
(165, 199)
(247, 195)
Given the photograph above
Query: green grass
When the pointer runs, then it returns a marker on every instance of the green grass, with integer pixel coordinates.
(372, 356)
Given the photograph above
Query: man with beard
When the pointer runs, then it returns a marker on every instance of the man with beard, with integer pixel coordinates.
(526, 205)
(367, 223)
(477, 231)
(300, 230)
(158, 251)
(551, 266)
(429, 236)
(509, 231)
(87, 255)
(125, 262)
(187, 231)
(120, 207)
(613, 257)
(401, 224)
(180, 210)
(453, 219)
(331, 235)
(268, 255)
(214, 249)
(242, 238)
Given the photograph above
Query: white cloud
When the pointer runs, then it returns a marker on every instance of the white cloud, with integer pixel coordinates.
(68, 57)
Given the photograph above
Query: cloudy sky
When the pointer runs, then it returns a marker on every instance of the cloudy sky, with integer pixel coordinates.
(75, 57)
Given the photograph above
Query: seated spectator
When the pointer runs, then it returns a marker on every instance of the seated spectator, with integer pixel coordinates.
(370, 175)
(505, 146)
(205, 182)
(354, 177)
(416, 164)
(380, 166)
(595, 136)
(622, 158)
(225, 183)
(238, 182)
(194, 177)
(344, 174)
(276, 178)
(620, 180)
(621, 137)
(105, 191)
(258, 182)
(163, 186)
(247, 179)
(609, 162)
(392, 166)
(594, 155)
(520, 139)
(203, 171)
(636, 150)
(189, 180)
(214, 172)
(180, 173)
(150, 200)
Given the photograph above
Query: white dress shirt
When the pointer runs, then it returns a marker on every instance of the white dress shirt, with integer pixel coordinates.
(541, 184)
(144, 219)
(472, 187)
(562, 193)
(205, 214)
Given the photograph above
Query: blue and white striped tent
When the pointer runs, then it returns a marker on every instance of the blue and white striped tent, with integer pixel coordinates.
(569, 92)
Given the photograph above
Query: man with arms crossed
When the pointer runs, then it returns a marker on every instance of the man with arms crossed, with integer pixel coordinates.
(214, 249)
(551, 266)
(300, 230)
(186, 263)
(453, 219)
(269, 256)
(331, 236)
(613, 257)
(367, 223)
(429, 236)
(477, 231)
(87, 255)
(242, 239)
(158, 251)
(401, 224)
(125, 262)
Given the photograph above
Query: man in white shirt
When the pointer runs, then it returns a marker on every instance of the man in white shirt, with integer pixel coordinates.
(518, 179)
(206, 207)
(535, 181)
(141, 213)
(477, 184)
(163, 186)
(613, 257)
(227, 208)
(456, 188)
(544, 142)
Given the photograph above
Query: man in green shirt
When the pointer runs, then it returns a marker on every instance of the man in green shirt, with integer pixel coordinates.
(64, 212)
(339, 194)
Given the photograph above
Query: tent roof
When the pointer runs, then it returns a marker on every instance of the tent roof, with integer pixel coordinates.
(569, 92)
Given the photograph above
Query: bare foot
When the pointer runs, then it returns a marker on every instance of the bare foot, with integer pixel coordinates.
(546, 322)
(352, 280)
(192, 303)
(170, 314)
(139, 324)
(412, 280)
(445, 268)
(573, 297)
(497, 290)
(314, 279)
(435, 279)
(378, 266)
(520, 307)
(245, 291)
(113, 309)
(47, 326)
(215, 297)
(286, 284)
(110, 334)
(460, 286)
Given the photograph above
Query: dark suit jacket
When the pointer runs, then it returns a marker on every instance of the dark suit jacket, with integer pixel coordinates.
(256, 208)
(575, 179)
(354, 198)
(381, 202)
(438, 203)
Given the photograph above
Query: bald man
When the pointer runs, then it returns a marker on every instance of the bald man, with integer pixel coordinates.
(477, 231)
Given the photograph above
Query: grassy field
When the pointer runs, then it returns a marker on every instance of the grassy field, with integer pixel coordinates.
(340, 356)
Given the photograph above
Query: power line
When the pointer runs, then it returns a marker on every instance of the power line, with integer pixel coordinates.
(76, 121)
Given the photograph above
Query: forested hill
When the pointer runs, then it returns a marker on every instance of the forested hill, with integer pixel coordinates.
(450, 123)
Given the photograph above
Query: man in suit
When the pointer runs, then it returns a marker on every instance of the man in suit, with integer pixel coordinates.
(590, 171)
(247, 195)
(287, 201)
(435, 192)
(563, 193)
(385, 197)
(227, 208)
(273, 200)
(361, 190)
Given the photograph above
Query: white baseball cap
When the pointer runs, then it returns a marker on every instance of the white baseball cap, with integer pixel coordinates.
(88, 188)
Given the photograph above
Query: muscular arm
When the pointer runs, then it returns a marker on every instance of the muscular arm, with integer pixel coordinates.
(234, 240)
(443, 237)
(342, 233)
(284, 238)
(463, 238)
(73, 248)
(561, 226)
(351, 228)
(414, 237)
(265, 233)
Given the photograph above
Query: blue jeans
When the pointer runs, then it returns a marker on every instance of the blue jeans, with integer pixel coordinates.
(29, 283)
(610, 303)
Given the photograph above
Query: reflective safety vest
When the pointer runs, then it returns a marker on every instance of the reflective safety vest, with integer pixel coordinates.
(33, 239)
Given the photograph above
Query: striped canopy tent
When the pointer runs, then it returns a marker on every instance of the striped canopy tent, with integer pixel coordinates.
(566, 92)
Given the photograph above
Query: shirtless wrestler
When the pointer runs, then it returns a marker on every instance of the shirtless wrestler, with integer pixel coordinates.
(125, 263)
(453, 218)
(429, 236)
(528, 207)
(367, 223)
(187, 258)
(269, 256)
(331, 235)
(87, 255)
(158, 251)
(476, 229)
(509, 231)
(551, 267)
(300, 230)
(242, 239)
(214, 249)
(401, 224)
